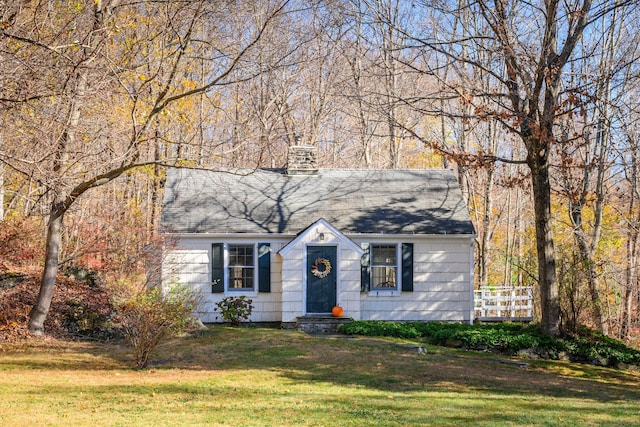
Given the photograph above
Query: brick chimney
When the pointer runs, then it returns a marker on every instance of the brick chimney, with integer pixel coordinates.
(302, 160)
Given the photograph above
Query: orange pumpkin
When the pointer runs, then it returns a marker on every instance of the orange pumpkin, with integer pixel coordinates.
(337, 311)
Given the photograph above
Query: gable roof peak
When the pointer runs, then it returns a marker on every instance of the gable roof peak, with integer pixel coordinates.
(321, 228)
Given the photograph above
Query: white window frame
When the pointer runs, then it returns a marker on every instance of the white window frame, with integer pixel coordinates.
(228, 267)
(397, 266)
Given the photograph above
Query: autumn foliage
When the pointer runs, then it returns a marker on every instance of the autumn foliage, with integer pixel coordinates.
(20, 242)
(79, 309)
(97, 97)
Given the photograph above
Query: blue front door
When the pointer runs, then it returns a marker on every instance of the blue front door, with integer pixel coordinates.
(321, 279)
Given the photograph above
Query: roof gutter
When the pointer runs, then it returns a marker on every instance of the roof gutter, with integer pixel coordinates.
(349, 235)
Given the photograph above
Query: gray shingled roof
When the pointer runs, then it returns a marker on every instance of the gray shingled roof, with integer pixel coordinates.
(353, 201)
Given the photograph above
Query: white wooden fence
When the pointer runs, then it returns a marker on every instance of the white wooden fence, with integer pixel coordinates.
(495, 304)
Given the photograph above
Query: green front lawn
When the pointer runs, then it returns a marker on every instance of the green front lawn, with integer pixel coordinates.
(263, 377)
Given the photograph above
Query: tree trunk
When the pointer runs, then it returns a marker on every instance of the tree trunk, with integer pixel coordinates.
(631, 274)
(155, 187)
(1, 177)
(1, 192)
(589, 265)
(40, 310)
(508, 250)
(549, 299)
(627, 298)
(487, 220)
(599, 159)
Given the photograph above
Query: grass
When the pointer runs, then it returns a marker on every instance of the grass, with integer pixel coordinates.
(267, 377)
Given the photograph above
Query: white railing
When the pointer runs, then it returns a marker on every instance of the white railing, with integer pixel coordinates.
(503, 303)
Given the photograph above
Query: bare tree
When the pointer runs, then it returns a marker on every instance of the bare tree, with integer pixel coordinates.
(1, 176)
(92, 72)
(629, 111)
(355, 106)
(530, 92)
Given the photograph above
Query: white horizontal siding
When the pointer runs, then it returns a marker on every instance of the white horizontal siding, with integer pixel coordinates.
(448, 267)
(442, 280)
(348, 296)
(404, 316)
(442, 285)
(190, 263)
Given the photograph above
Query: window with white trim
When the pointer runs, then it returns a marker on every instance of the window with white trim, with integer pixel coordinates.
(241, 267)
(384, 267)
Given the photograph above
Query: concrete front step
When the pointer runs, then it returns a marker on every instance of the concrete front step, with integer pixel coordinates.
(321, 324)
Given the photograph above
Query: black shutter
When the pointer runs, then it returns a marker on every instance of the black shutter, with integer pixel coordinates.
(365, 269)
(217, 268)
(264, 267)
(407, 267)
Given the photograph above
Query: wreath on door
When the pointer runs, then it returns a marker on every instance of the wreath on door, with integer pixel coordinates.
(321, 268)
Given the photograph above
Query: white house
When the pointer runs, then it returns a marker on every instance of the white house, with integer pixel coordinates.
(382, 244)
